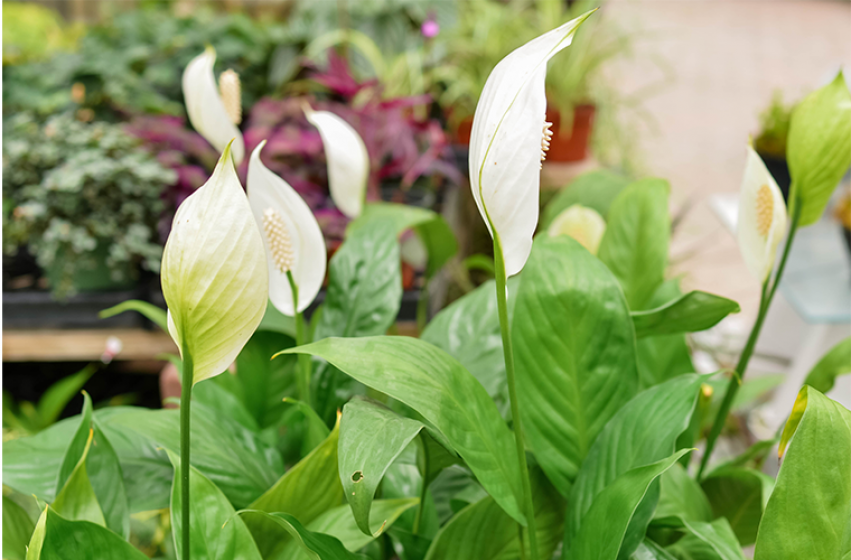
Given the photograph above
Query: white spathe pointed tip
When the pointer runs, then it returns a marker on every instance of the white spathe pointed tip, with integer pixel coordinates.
(205, 107)
(348, 160)
(506, 143)
(762, 217)
(306, 254)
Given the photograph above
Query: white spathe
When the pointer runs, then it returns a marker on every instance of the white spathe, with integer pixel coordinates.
(581, 223)
(205, 107)
(348, 160)
(214, 275)
(307, 260)
(762, 217)
(506, 143)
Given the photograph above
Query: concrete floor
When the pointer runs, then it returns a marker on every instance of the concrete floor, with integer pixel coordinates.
(727, 58)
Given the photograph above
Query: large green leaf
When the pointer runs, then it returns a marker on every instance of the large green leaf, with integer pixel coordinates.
(482, 530)
(707, 541)
(434, 384)
(695, 311)
(308, 489)
(809, 510)
(156, 315)
(215, 394)
(468, 330)
(371, 437)
(635, 245)
(56, 538)
(595, 189)
(264, 383)
(604, 528)
(819, 146)
(740, 496)
(649, 550)
(104, 471)
(681, 496)
(216, 532)
(833, 364)
(575, 354)
(666, 356)
(317, 546)
(17, 530)
(643, 431)
(76, 500)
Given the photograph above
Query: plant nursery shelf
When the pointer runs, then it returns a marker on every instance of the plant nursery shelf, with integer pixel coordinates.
(82, 345)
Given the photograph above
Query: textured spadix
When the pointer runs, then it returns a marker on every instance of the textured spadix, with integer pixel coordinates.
(291, 236)
(214, 275)
(508, 136)
(205, 107)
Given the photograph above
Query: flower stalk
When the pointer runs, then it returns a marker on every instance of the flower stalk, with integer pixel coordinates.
(185, 400)
(304, 373)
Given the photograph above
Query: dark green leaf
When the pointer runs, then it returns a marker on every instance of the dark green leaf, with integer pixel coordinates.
(264, 383)
(833, 364)
(57, 396)
(317, 431)
(695, 311)
(316, 545)
(155, 314)
(575, 354)
(635, 245)
(739, 495)
(216, 532)
(17, 530)
(31, 464)
(649, 550)
(56, 538)
(663, 357)
(275, 321)
(434, 384)
(707, 541)
(595, 189)
(681, 496)
(213, 394)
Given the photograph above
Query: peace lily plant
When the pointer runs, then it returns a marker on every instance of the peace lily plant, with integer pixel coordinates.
(560, 398)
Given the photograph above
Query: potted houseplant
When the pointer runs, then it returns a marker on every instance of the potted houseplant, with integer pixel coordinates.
(770, 142)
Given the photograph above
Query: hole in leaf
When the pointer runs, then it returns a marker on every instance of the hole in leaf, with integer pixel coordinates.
(357, 476)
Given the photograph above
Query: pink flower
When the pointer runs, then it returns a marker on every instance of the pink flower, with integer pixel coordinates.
(430, 28)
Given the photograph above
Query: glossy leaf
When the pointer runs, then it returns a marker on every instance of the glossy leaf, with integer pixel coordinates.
(155, 314)
(739, 495)
(695, 311)
(708, 541)
(595, 189)
(808, 511)
(574, 351)
(833, 364)
(681, 496)
(215, 395)
(371, 437)
(482, 531)
(649, 550)
(17, 529)
(642, 432)
(316, 430)
(216, 532)
(604, 528)
(308, 489)
(434, 384)
(56, 538)
(663, 357)
(317, 546)
(635, 246)
(76, 500)
(265, 382)
(819, 146)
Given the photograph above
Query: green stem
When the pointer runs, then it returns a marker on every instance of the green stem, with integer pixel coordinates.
(508, 351)
(769, 287)
(185, 400)
(304, 373)
(424, 488)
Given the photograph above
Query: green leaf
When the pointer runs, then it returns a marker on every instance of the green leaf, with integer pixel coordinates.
(681, 496)
(819, 147)
(432, 229)
(808, 511)
(663, 357)
(316, 545)
(104, 471)
(154, 314)
(76, 500)
(17, 529)
(833, 364)
(216, 532)
(469, 331)
(212, 393)
(371, 437)
(31, 464)
(482, 531)
(635, 245)
(341, 525)
(642, 432)
(57, 396)
(740, 496)
(603, 531)
(317, 431)
(434, 384)
(56, 538)
(308, 489)
(649, 550)
(751, 457)
(707, 541)
(264, 383)
(594, 189)
(275, 321)
(695, 311)
(575, 354)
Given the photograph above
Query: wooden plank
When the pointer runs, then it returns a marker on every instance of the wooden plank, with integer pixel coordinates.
(82, 345)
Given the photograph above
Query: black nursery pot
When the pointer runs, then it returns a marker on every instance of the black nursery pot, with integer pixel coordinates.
(779, 169)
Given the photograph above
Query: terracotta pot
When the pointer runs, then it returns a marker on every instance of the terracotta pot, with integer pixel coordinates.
(462, 133)
(570, 145)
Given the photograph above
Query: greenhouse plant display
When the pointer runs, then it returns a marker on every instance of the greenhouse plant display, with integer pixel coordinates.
(534, 418)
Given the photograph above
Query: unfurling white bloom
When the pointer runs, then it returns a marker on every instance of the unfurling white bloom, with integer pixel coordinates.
(348, 160)
(291, 235)
(214, 113)
(214, 275)
(583, 224)
(762, 217)
(509, 141)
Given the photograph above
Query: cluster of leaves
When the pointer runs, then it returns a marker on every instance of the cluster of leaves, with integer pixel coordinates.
(774, 127)
(79, 192)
